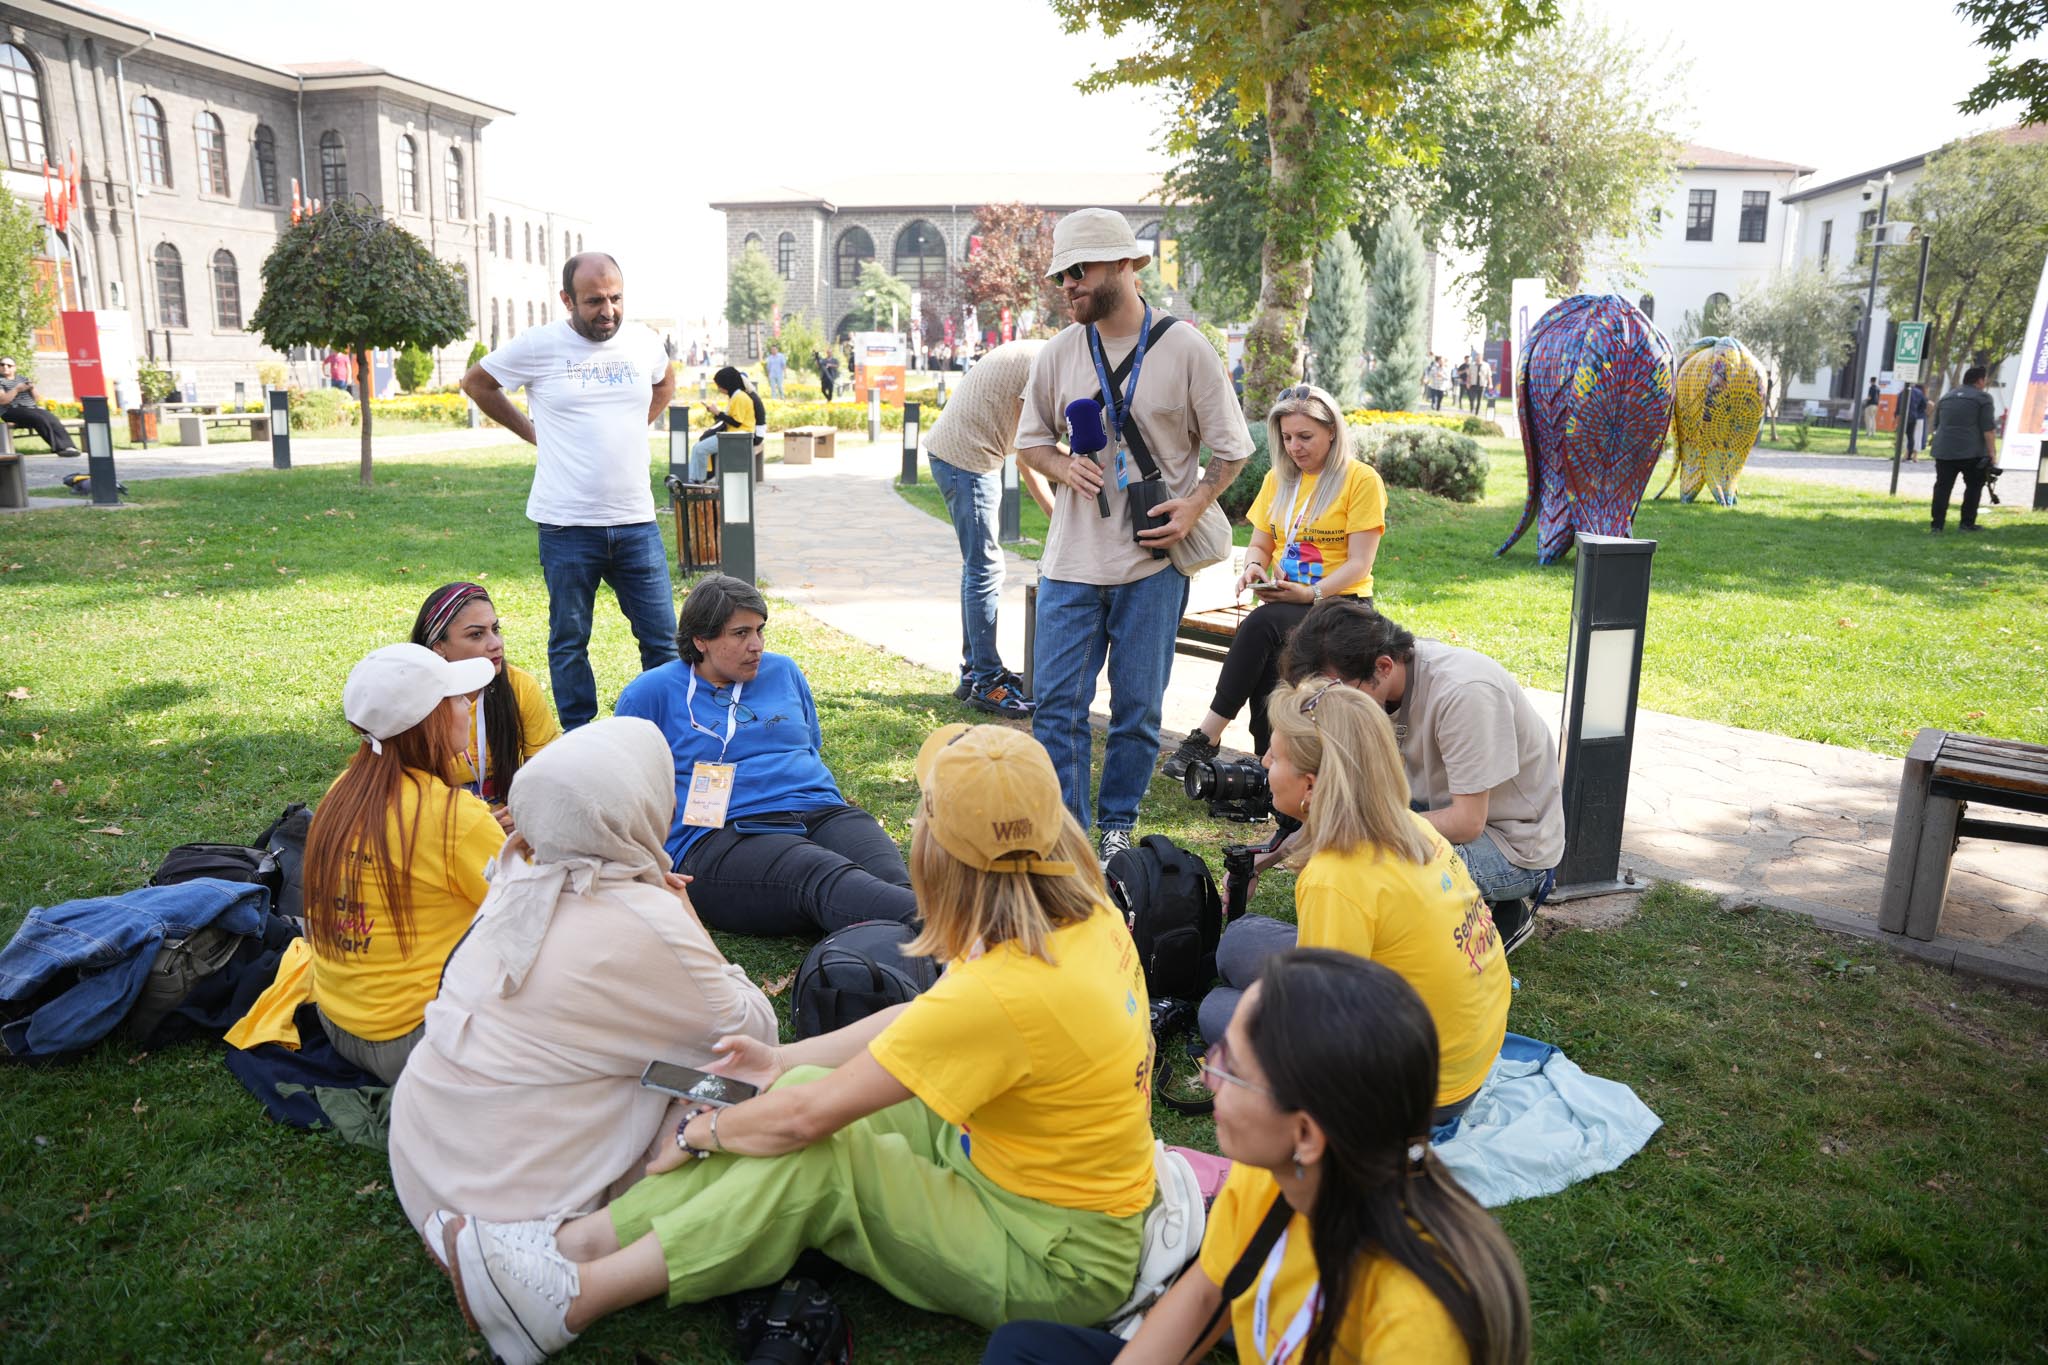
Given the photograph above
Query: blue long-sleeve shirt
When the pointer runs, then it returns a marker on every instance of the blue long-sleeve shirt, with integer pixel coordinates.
(775, 748)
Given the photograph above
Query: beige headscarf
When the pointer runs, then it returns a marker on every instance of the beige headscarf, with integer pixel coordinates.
(595, 805)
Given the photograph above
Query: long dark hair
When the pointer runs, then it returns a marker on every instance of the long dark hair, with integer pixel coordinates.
(503, 730)
(1351, 1044)
(730, 381)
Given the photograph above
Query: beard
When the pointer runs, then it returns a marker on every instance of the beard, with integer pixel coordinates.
(595, 330)
(1097, 303)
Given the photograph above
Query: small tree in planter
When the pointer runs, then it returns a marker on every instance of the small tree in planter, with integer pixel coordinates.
(347, 279)
(155, 382)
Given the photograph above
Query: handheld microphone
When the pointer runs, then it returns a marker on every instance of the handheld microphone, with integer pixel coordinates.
(1086, 436)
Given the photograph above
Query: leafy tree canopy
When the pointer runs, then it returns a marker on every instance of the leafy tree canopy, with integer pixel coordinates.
(1797, 322)
(1007, 268)
(753, 290)
(872, 314)
(2005, 25)
(26, 303)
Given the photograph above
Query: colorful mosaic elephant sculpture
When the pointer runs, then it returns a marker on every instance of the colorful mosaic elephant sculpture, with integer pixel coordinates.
(1719, 411)
(1594, 403)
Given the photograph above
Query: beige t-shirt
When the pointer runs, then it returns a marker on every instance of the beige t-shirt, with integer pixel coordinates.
(975, 429)
(1184, 402)
(1465, 726)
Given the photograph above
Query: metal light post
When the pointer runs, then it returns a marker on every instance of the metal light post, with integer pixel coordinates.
(1884, 199)
(678, 440)
(1009, 515)
(736, 504)
(280, 429)
(2041, 481)
(909, 444)
(1603, 672)
(1905, 393)
(99, 451)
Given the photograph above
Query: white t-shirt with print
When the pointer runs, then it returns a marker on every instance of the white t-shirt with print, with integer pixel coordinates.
(588, 401)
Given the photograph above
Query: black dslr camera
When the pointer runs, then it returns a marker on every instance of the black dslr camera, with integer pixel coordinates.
(796, 1323)
(1235, 790)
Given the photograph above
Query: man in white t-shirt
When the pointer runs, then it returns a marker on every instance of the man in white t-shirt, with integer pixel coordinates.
(593, 385)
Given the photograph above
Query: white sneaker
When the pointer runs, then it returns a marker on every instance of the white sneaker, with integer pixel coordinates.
(540, 1231)
(515, 1287)
(1114, 841)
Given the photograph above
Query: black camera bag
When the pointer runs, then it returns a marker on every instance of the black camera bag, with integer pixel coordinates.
(1169, 900)
(857, 971)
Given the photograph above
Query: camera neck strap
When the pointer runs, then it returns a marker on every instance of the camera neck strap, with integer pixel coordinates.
(1121, 420)
(1247, 1268)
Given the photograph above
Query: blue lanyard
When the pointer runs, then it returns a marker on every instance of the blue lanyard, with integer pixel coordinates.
(1119, 412)
(732, 714)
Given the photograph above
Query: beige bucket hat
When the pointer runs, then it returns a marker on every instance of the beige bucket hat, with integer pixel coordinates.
(1094, 235)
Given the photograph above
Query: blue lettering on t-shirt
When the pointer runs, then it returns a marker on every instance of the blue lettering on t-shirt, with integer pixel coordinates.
(601, 372)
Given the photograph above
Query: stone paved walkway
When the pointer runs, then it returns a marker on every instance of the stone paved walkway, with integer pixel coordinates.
(1787, 823)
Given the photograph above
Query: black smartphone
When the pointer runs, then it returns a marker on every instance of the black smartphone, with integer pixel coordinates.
(688, 1083)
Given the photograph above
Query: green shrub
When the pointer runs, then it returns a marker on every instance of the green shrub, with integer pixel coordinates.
(413, 368)
(1447, 464)
(271, 374)
(1244, 489)
(1480, 426)
(319, 409)
(451, 408)
(783, 414)
(1802, 437)
(476, 353)
(155, 381)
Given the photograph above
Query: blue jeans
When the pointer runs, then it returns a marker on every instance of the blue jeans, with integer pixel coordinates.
(1132, 625)
(573, 561)
(1029, 1342)
(701, 455)
(1496, 877)
(972, 500)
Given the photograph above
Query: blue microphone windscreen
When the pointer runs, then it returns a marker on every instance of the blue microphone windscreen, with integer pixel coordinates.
(1085, 433)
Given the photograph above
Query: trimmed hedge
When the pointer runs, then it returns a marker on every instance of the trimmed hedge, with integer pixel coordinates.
(1447, 464)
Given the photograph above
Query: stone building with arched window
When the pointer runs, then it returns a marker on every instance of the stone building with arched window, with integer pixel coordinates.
(917, 227)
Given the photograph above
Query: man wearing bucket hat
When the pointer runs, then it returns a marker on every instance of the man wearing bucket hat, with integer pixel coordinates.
(1107, 588)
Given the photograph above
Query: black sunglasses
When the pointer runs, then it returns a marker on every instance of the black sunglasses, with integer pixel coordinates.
(1072, 272)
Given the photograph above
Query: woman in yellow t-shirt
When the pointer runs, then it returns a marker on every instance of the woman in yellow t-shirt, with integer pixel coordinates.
(394, 855)
(1316, 528)
(512, 720)
(744, 411)
(1338, 1235)
(984, 1150)
(1376, 880)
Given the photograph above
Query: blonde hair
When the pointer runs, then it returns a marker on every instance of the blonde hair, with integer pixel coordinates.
(1344, 738)
(964, 907)
(1320, 407)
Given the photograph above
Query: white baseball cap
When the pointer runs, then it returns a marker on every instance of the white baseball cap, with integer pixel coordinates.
(1094, 235)
(398, 686)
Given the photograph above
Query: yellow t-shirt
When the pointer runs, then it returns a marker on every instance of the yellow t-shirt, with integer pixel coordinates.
(1428, 923)
(1046, 1069)
(538, 728)
(1360, 506)
(1392, 1316)
(741, 406)
(373, 990)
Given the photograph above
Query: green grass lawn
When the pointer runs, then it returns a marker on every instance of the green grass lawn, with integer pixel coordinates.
(1852, 1162)
(1823, 613)
(1828, 440)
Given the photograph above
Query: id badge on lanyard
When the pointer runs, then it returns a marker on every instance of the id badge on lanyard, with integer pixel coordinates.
(710, 791)
(1298, 1327)
(1119, 412)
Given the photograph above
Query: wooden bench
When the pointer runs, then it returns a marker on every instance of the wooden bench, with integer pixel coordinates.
(801, 445)
(1944, 773)
(1204, 634)
(192, 426)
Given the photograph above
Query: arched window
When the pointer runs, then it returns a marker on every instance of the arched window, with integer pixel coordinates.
(1714, 315)
(227, 292)
(408, 173)
(333, 167)
(494, 240)
(21, 109)
(529, 313)
(1648, 303)
(511, 318)
(543, 312)
(451, 175)
(542, 235)
(920, 256)
(1718, 302)
(266, 163)
(494, 320)
(855, 250)
(751, 242)
(152, 148)
(567, 252)
(213, 154)
(579, 243)
(845, 328)
(785, 255)
(170, 286)
(1148, 237)
(529, 245)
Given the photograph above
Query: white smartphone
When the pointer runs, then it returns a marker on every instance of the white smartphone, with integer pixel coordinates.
(689, 1083)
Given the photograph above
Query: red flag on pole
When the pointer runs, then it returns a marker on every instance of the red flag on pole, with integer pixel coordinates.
(297, 210)
(49, 198)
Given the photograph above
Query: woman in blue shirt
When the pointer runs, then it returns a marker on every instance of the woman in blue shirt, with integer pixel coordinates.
(760, 826)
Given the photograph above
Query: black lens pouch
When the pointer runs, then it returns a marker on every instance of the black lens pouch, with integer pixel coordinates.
(1142, 495)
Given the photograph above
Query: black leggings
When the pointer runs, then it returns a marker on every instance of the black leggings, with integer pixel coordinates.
(841, 869)
(1252, 668)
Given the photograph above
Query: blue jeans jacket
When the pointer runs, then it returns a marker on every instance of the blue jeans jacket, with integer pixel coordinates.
(110, 942)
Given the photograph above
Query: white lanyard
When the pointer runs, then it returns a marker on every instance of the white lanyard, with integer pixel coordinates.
(1297, 512)
(732, 714)
(1304, 1317)
(476, 767)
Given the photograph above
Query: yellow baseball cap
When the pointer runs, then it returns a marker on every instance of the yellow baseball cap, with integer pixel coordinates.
(991, 799)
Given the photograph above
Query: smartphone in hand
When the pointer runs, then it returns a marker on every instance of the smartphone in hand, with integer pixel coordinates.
(688, 1083)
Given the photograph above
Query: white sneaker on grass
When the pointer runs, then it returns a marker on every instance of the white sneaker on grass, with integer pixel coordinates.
(515, 1287)
(1114, 841)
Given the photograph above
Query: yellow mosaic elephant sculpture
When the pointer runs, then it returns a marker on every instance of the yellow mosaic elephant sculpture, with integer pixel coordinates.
(1719, 408)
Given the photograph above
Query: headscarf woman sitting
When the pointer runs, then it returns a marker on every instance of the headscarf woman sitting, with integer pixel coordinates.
(744, 411)
(523, 1100)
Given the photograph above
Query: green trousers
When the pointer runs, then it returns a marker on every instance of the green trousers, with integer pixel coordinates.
(893, 1197)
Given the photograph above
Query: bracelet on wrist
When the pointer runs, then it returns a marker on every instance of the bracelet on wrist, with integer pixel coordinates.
(717, 1144)
(683, 1142)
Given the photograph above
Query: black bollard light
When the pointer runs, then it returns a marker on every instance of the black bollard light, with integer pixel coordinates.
(736, 504)
(678, 440)
(1603, 672)
(99, 451)
(280, 429)
(2041, 481)
(909, 444)
(1009, 513)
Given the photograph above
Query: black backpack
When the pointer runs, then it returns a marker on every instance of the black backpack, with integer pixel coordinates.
(1169, 901)
(286, 841)
(857, 971)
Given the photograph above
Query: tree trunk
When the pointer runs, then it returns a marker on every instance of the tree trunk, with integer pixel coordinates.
(366, 380)
(1272, 348)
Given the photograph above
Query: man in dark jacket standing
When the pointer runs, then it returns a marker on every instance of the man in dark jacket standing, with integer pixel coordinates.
(1965, 443)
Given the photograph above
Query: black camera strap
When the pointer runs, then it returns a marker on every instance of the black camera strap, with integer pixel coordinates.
(1247, 1268)
(1133, 436)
